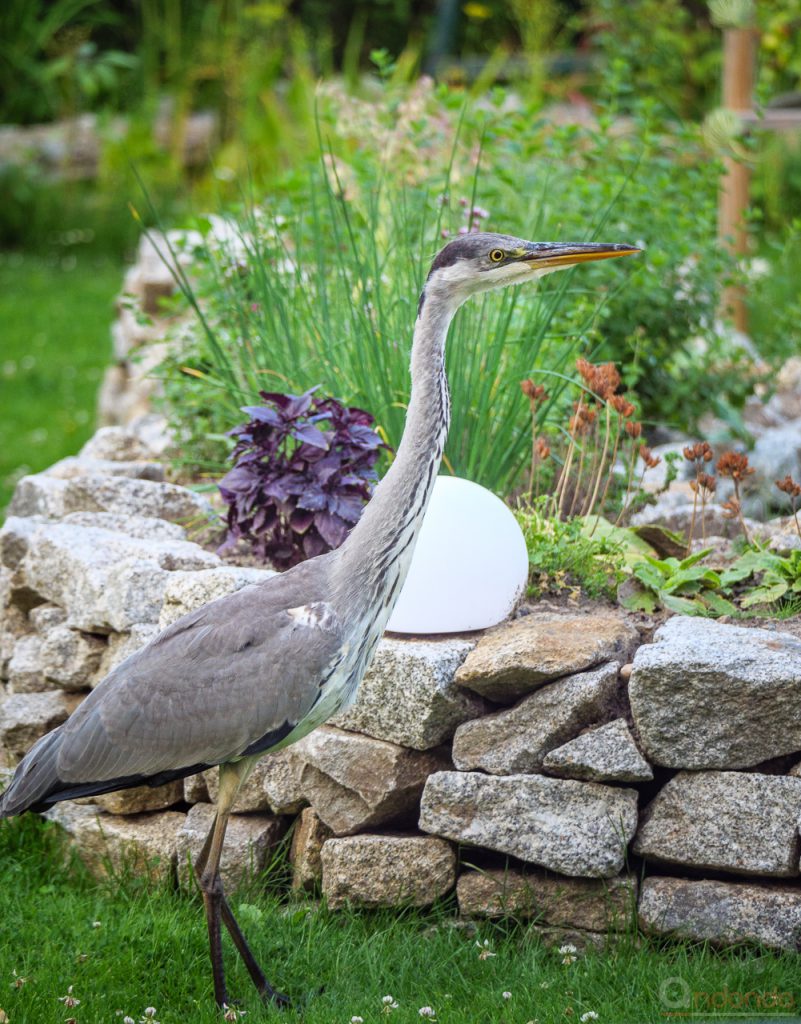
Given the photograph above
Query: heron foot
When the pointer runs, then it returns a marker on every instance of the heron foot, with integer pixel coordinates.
(272, 998)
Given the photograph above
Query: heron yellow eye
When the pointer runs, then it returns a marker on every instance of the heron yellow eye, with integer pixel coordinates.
(496, 255)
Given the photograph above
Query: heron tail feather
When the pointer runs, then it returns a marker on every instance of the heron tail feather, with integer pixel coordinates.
(36, 776)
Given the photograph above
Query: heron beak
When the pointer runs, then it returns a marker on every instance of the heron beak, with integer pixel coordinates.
(557, 254)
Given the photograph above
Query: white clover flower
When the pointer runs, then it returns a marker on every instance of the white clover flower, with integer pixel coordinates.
(568, 952)
(149, 1015)
(484, 950)
(506, 995)
(427, 1012)
(389, 1004)
(128, 1020)
(96, 924)
(69, 999)
(589, 1015)
(357, 1020)
(231, 1014)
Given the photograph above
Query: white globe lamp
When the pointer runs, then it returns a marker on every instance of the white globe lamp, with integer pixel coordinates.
(470, 565)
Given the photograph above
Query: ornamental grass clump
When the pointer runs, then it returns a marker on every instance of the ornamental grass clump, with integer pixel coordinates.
(304, 467)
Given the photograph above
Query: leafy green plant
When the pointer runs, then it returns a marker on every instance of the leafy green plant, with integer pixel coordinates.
(684, 586)
(777, 578)
(564, 557)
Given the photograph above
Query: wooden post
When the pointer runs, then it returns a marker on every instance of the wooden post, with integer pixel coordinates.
(739, 57)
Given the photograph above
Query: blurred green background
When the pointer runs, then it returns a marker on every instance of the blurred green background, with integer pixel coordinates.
(214, 104)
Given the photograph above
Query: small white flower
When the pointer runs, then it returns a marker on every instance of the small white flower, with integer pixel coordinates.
(231, 1014)
(128, 1020)
(545, 984)
(69, 999)
(389, 1004)
(148, 1016)
(506, 995)
(568, 952)
(96, 924)
(484, 951)
(589, 1015)
(427, 1012)
(357, 1020)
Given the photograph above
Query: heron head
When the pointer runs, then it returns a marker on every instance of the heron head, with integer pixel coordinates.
(481, 261)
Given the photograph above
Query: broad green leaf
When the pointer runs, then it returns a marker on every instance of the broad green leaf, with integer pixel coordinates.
(681, 604)
(648, 575)
(764, 595)
(634, 548)
(638, 599)
(692, 559)
(719, 605)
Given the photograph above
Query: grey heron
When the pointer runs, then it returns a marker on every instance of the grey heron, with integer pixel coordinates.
(257, 670)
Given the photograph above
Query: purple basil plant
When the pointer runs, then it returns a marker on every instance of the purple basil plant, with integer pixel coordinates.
(304, 468)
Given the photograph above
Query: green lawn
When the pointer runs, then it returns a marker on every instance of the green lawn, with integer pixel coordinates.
(124, 947)
(55, 313)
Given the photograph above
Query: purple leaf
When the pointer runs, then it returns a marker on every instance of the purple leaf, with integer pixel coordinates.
(331, 528)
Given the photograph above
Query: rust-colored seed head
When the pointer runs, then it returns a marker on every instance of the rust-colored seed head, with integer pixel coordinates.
(731, 508)
(534, 392)
(701, 451)
(622, 406)
(708, 482)
(633, 429)
(789, 486)
(543, 448)
(734, 465)
(648, 456)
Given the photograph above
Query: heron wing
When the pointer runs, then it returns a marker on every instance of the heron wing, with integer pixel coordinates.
(219, 682)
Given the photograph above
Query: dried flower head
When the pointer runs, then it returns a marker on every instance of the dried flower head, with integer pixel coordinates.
(583, 418)
(69, 999)
(704, 484)
(734, 465)
(731, 509)
(648, 457)
(622, 406)
(534, 392)
(633, 429)
(701, 451)
(18, 981)
(603, 380)
(789, 487)
(543, 448)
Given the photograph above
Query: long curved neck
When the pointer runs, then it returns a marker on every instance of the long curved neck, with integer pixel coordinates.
(374, 560)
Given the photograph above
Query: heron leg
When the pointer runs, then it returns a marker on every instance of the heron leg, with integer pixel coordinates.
(207, 869)
(211, 887)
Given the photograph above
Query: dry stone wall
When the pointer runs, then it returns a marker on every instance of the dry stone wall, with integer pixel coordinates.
(555, 768)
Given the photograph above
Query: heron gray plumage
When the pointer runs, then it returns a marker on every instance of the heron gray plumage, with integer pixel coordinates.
(255, 671)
